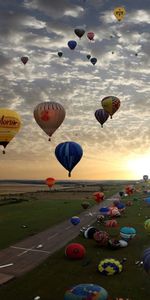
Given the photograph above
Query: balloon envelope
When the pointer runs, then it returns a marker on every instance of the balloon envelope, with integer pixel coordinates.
(88, 56)
(119, 13)
(68, 154)
(93, 60)
(60, 54)
(72, 44)
(75, 220)
(50, 181)
(79, 32)
(145, 177)
(49, 116)
(110, 104)
(101, 116)
(86, 291)
(10, 123)
(90, 36)
(110, 266)
(75, 251)
(24, 59)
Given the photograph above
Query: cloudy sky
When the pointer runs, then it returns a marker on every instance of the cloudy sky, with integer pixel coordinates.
(39, 29)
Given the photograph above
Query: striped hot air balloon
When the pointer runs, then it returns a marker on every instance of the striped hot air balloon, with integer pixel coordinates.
(68, 154)
(101, 116)
(49, 116)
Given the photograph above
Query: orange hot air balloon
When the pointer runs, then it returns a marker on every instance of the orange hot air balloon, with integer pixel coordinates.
(98, 197)
(49, 116)
(50, 181)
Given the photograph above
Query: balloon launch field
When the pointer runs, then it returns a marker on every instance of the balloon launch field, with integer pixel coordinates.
(51, 279)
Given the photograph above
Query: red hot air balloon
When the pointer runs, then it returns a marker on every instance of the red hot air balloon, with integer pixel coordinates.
(90, 36)
(98, 197)
(101, 116)
(24, 59)
(50, 181)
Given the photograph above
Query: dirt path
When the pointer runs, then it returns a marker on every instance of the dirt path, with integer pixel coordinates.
(29, 253)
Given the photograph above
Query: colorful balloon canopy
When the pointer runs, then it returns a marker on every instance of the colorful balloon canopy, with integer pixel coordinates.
(24, 59)
(50, 181)
(129, 190)
(49, 116)
(110, 104)
(101, 237)
(101, 116)
(75, 220)
(104, 211)
(75, 251)
(90, 35)
(60, 54)
(98, 196)
(119, 13)
(127, 233)
(110, 266)
(68, 154)
(10, 123)
(93, 60)
(86, 291)
(79, 32)
(72, 44)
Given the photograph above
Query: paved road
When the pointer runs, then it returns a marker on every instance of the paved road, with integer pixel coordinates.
(29, 253)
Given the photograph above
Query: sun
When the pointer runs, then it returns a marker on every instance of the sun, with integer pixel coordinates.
(139, 166)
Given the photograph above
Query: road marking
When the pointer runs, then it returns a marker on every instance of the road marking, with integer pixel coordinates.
(68, 227)
(52, 236)
(4, 266)
(30, 249)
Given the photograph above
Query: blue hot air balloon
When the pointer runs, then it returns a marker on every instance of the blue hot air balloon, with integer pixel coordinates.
(68, 154)
(72, 44)
(75, 220)
(101, 116)
(146, 260)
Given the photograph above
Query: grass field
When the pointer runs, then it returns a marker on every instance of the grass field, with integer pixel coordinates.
(56, 274)
(38, 211)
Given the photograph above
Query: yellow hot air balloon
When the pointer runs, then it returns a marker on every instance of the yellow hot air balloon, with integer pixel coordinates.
(10, 123)
(119, 13)
(110, 104)
(49, 116)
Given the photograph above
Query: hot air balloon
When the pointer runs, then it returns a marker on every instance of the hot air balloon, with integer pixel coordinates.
(129, 190)
(75, 220)
(72, 44)
(145, 177)
(49, 116)
(75, 251)
(90, 36)
(110, 266)
(127, 233)
(79, 32)
(119, 13)
(10, 123)
(93, 60)
(50, 181)
(101, 116)
(101, 237)
(86, 291)
(146, 260)
(68, 154)
(60, 54)
(147, 225)
(110, 104)
(24, 59)
(98, 196)
(88, 56)
(85, 204)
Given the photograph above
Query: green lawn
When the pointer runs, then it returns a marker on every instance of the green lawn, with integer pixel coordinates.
(56, 274)
(39, 212)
